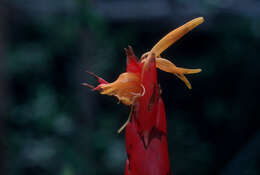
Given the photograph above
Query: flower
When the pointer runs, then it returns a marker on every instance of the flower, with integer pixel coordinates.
(128, 86)
(146, 141)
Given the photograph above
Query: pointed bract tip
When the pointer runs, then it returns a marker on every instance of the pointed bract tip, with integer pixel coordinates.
(100, 80)
(129, 51)
(92, 74)
(88, 85)
(130, 48)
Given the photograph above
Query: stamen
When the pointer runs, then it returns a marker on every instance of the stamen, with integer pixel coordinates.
(131, 111)
(128, 120)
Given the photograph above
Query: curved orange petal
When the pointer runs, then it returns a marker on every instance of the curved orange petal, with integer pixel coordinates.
(125, 88)
(167, 66)
(174, 35)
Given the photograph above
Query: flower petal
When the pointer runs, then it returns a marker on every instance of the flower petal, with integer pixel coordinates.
(167, 66)
(126, 88)
(174, 35)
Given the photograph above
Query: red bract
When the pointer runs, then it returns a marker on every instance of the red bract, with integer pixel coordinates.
(146, 142)
(146, 133)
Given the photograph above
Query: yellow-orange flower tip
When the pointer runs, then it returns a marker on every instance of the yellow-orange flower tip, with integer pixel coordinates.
(175, 35)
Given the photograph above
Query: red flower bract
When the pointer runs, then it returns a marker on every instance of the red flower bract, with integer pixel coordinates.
(146, 142)
(146, 133)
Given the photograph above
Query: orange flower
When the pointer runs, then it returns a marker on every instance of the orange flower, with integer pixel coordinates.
(128, 85)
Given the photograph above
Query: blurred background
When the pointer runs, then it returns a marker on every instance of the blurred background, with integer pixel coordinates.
(51, 125)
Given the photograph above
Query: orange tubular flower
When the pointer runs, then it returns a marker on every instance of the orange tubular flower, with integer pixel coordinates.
(146, 133)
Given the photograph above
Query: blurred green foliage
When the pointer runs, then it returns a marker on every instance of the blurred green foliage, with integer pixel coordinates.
(56, 126)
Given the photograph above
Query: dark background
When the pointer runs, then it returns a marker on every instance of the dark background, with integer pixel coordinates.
(51, 125)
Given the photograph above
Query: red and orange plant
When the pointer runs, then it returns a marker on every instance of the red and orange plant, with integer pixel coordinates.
(146, 132)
